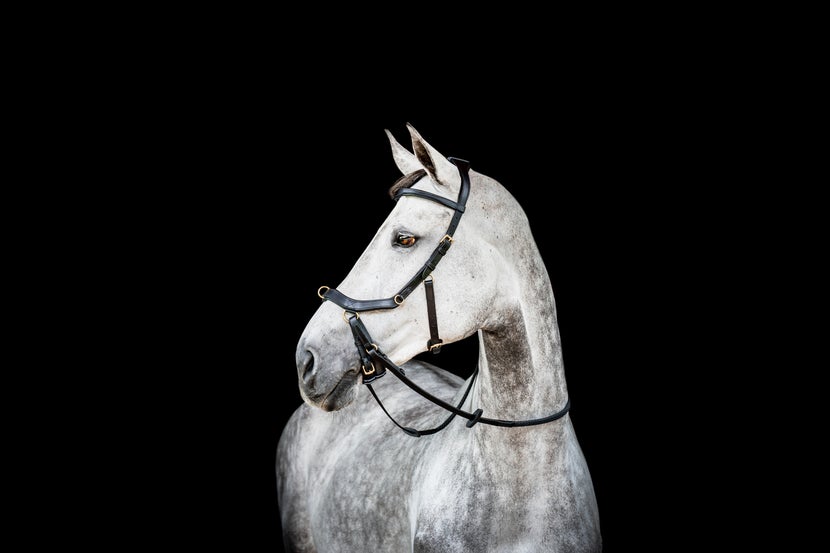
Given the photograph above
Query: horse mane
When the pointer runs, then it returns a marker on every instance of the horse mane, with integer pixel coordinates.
(406, 181)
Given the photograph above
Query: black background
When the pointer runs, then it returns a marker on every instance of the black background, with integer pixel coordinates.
(212, 175)
(283, 196)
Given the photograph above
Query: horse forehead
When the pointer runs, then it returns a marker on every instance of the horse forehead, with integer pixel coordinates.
(412, 210)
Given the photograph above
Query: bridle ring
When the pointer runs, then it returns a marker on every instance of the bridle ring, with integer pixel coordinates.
(352, 312)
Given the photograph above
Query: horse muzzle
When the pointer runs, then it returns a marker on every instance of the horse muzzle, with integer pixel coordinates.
(327, 390)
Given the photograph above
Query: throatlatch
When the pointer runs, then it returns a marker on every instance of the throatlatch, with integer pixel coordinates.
(374, 362)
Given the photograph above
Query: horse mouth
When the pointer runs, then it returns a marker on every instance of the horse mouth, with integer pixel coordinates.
(338, 397)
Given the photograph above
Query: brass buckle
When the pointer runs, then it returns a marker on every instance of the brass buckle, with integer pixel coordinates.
(372, 347)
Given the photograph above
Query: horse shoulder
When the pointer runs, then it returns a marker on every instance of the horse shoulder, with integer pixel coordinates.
(492, 489)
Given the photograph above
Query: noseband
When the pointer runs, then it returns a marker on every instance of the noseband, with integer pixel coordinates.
(374, 362)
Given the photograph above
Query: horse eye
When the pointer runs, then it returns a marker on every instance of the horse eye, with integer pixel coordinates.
(405, 240)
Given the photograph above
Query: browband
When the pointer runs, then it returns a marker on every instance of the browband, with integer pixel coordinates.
(357, 306)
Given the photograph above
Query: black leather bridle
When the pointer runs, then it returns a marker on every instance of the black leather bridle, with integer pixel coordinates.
(374, 362)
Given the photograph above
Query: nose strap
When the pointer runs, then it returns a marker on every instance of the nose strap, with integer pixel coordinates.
(356, 306)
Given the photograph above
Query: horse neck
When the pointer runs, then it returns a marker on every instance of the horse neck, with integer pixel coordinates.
(521, 373)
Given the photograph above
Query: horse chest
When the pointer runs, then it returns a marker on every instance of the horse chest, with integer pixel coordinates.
(479, 495)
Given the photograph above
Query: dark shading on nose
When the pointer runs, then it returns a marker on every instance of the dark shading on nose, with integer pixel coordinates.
(308, 368)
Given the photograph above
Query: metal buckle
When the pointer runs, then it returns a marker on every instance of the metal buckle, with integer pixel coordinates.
(350, 313)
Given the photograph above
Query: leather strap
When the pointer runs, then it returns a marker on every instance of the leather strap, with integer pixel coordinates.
(474, 417)
(356, 306)
(418, 433)
(363, 342)
(434, 197)
(434, 342)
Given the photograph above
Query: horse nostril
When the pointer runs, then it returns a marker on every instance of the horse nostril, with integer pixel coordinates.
(308, 367)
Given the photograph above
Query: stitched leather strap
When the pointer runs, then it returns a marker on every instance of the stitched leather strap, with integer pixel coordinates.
(434, 197)
(357, 306)
(434, 342)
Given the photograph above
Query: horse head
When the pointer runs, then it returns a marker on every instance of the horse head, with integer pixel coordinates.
(330, 363)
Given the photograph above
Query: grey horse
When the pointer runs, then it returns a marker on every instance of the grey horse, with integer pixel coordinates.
(350, 480)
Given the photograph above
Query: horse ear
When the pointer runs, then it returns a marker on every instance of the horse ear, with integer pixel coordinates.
(404, 159)
(437, 166)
